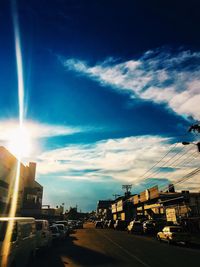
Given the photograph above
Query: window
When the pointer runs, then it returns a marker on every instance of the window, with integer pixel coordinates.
(3, 229)
(38, 226)
(26, 230)
(176, 230)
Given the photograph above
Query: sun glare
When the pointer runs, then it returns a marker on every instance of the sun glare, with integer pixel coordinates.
(20, 143)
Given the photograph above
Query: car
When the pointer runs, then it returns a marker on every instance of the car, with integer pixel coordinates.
(173, 234)
(99, 224)
(62, 230)
(120, 225)
(149, 227)
(105, 224)
(43, 234)
(79, 224)
(56, 236)
(135, 227)
(22, 241)
(66, 224)
(110, 224)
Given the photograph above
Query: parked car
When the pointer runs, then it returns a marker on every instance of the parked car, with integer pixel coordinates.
(120, 225)
(99, 224)
(56, 236)
(173, 234)
(135, 227)
(43, 234)
(22, 241)
(72, 224)
(79, 224)
(62, 230)
(149, 227)
(66, 224)
(111, 224)
(105, 224)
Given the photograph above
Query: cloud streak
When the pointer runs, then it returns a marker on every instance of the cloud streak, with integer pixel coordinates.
(121, 160)
(158, 76)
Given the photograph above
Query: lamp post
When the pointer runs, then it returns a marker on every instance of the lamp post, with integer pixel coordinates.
(188, 143)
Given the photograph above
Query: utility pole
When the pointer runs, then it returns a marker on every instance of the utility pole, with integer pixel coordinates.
(196, 129)
(127, 189)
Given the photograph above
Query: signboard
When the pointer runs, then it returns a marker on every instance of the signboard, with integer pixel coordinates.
(143, 196)
(171, 214)
(135, 200)
(153, 192)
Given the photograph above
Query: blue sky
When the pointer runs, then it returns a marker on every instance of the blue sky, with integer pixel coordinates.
(110, 87)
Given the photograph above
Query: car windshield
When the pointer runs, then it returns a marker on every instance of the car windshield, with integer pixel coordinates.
(38, 226)
(3, 228)
(176, 230)
(54, 230)
(60, 227)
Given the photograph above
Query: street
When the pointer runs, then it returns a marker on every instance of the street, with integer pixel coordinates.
(106, 247)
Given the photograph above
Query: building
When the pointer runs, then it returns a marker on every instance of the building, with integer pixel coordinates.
(123, 209)
(52, 213)
(170, 206)
(104, 209)
(30, 192)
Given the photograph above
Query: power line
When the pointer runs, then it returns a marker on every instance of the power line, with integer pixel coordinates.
(187, 176)
(159, 161)
(158, 171)
(174, 146)
(178, 164)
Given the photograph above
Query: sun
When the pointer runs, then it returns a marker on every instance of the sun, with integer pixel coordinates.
(20, 142)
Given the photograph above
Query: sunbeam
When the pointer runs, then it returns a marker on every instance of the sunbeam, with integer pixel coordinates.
(13, 207)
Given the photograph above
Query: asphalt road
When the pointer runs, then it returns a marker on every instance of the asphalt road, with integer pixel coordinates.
(105, 247)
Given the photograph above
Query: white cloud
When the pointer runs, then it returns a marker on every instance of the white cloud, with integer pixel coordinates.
(157, 76)
(124, 160)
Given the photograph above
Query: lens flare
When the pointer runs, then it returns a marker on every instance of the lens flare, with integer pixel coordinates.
(13, 207)
(20, 142)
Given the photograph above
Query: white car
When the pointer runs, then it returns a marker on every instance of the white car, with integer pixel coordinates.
(43, 234)
(67, 228)
(173, 234)
(20, 250)
(56, 236)
(62, 230)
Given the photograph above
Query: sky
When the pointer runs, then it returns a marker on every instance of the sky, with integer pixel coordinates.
(110, 88)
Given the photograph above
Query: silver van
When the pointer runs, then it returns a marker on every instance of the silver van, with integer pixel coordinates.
(43, 234)
(22, 242)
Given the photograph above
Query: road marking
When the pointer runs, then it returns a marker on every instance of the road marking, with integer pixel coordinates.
(126, 251)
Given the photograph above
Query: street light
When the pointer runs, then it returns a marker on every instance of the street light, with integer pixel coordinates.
(188, 143)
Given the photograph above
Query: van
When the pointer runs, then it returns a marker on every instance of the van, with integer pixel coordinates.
(43, 234)
(22, 243)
